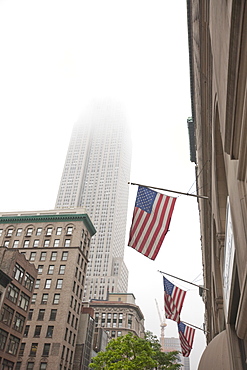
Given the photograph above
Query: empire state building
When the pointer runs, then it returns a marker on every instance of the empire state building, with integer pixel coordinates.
(95, 176)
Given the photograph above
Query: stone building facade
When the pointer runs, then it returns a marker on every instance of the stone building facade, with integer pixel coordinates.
(218, 69)
(117, 316)
(17, 279)
(57, 243)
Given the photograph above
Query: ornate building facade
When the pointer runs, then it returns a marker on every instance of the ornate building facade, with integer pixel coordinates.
(218, 69)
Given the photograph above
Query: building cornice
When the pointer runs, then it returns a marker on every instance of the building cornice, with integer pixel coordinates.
(49, 218)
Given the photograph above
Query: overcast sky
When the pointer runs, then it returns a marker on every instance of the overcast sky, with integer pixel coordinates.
(58, 56)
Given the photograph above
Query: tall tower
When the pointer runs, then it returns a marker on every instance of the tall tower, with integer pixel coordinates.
(96, 175)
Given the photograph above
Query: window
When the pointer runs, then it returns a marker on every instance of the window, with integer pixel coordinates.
(36, 243)
(56, 298)
(10, 232)
(129, 321)
(29, 231)
(16, 244)
(44, 299)
(30, 365)
(22, 349)
(28, 281)
(6, 243)
(49, 332)
(68, 318)
(26, 244)
(18, 232)
(18, 273)
(33, 349)
(49, 231)
(46, 243)
(37, 331)
(65, 256)
(23, 301)
(62, 356)
(12, 293)
(70, 336)
(66, 333)
(18, 365)
(41, 315)
(39, 231)
(18, 323)
(40, 269)
(34, 297)
(59, 283)
(30, 314)
(61, 269)
(53, 256)
(37, 284)
(43, 366)
(69, 230)
(67, 243)
(46, 349)
(25, 334)
(3, 338)
(56, 243)
(50, 270)
(13, 345)
(53, 315)
(59, 231)
(32, 256)
(119, 333)
(6, 315)
(48, 284)
(1, 231)
(42, 256)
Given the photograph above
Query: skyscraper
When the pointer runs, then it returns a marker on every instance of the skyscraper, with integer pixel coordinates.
(96, 175)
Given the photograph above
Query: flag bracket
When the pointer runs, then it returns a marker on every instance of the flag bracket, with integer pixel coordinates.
(186, 281)
(171, 191)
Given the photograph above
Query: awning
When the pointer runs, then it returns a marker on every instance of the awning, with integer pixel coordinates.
(216, 354)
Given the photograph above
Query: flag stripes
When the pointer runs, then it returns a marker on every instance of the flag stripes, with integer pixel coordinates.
(186, 336)
(173, 299)
(148, 229)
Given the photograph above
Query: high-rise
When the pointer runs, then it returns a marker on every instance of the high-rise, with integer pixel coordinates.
(96, 175)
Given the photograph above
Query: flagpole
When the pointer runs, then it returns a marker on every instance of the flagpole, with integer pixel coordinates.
(205, 331)
(186, 281)
(171, 191)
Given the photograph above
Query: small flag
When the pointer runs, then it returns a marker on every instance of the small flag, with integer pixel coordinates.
(150, 222)
(174, 299)
(186, 336)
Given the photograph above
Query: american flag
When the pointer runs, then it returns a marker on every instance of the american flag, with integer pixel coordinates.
(186, 336)
(174, 299)
(150, 222)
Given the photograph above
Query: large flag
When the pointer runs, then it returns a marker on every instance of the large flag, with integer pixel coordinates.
(174, 299)
(186, 336)
(150, 222)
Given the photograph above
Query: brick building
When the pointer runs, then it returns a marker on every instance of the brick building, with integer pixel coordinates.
(17, 279)
(57, 242)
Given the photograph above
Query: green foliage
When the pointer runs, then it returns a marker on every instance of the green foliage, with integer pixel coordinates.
(130, 352)
(164, 360)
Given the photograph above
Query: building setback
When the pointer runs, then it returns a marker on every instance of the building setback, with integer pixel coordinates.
(95, 176)
(218, 54)
(17, 278)
(57, 243)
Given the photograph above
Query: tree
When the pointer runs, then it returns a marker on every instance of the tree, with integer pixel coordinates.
(130, 352)
(164, 360)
